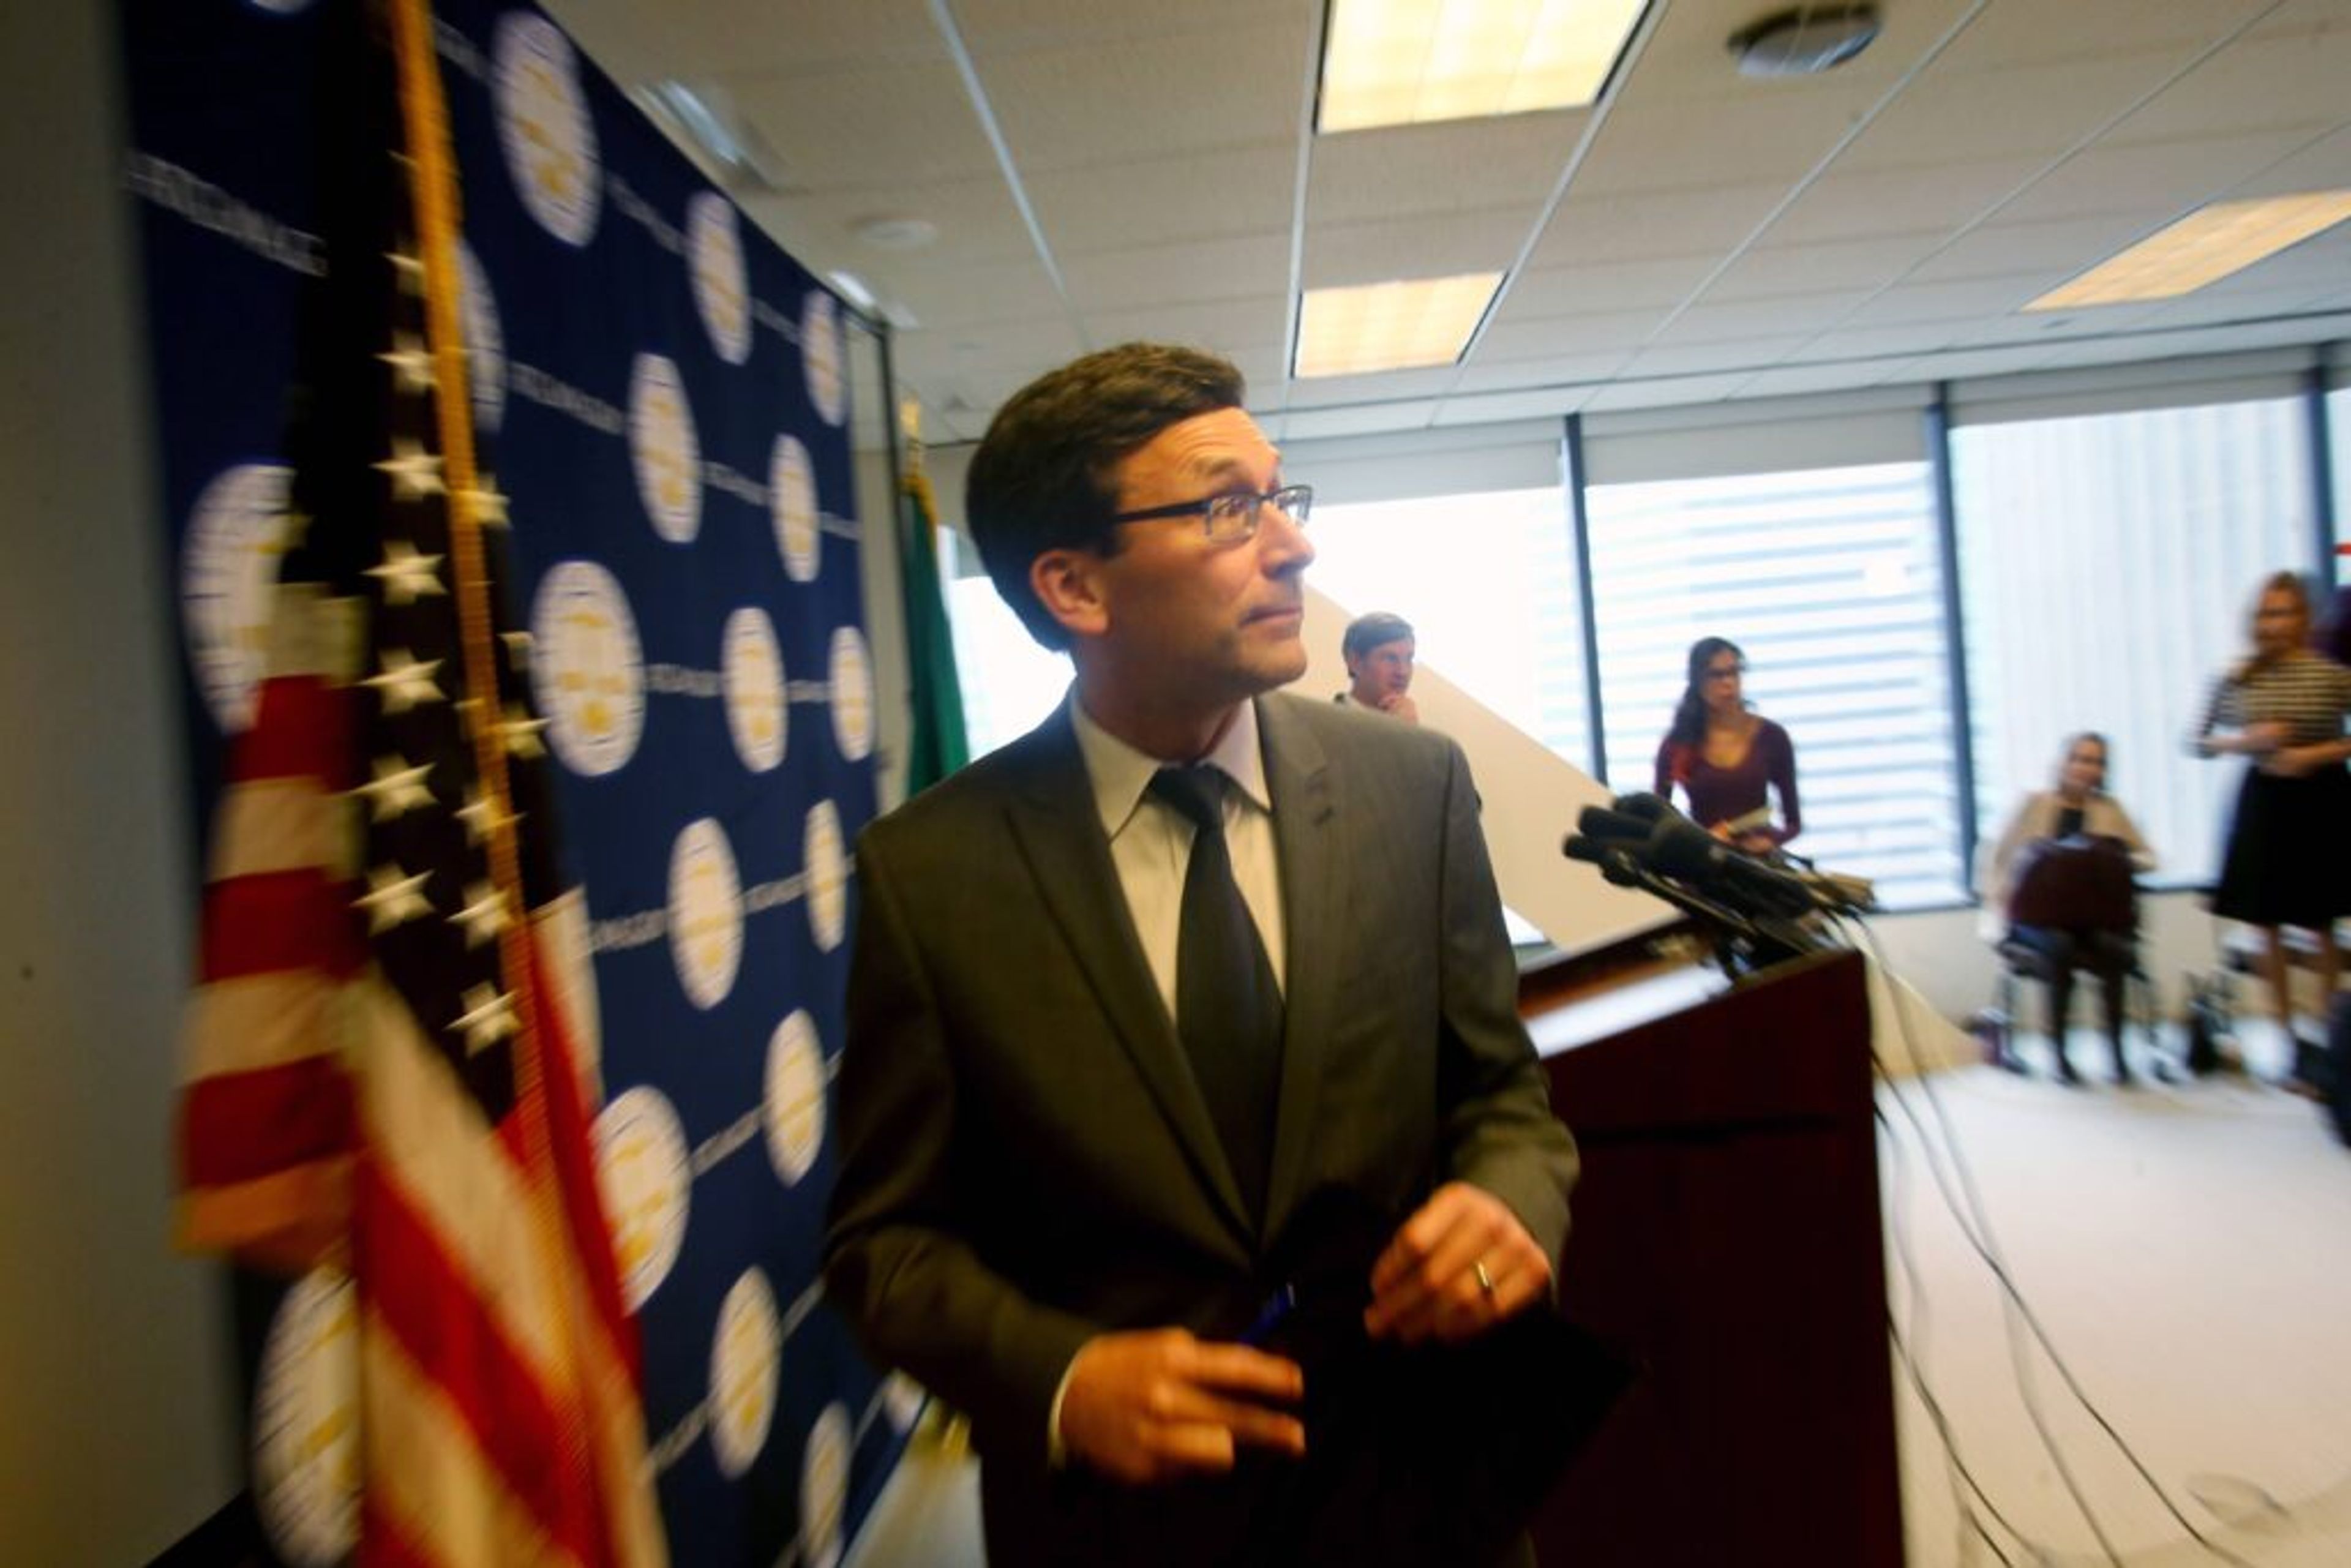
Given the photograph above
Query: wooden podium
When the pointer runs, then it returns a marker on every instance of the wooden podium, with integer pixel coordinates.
(1728, 1236)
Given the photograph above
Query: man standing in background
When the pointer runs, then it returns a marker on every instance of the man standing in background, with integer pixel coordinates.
(1378, 649)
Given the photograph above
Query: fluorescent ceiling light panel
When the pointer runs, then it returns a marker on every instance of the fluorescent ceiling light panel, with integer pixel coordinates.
(2203, 247)
(1401, 62)
(1390, 326)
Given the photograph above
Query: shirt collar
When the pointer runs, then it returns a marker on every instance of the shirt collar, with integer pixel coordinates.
(1119, 773)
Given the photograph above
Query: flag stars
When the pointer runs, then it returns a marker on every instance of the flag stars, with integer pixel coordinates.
(407, 270)
(414, 472)
(412, 367)
(481, 819)
(405, 681)
(485, 916)
(395, 790)
(488, 1018)
(407, 573)
(393, 900)
(519, 732)
(483, 507)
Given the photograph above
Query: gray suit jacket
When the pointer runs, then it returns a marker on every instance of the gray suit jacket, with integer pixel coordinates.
(1024, 1159)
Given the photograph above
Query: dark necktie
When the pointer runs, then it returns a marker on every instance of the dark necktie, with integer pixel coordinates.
(1227, 1005)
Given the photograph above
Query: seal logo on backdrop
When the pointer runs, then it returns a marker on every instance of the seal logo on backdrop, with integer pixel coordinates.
(485, 349)
(822, 356)
(587, 672)
(827, 871)
(795, 1100)
(793, 506)
(305, 1424)
(751, 670)
(705, 912)
(745, 1353)
(661, 445)
(824, 1488)
(228, 569)
(852, 694)
(543, 126)
(714, 254)
(641, 1176)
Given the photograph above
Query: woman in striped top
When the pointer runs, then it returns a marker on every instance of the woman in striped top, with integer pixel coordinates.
(2288, 861)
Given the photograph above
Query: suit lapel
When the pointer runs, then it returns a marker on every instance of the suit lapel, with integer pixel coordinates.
(1306, 802)
(1054, 819)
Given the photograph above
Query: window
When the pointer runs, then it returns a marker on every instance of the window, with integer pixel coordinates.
(1489, 583)
(1830, 581)
(2106, 565)
(1010, 682)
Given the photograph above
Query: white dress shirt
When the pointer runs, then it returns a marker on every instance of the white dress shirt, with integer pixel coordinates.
(1151, 841)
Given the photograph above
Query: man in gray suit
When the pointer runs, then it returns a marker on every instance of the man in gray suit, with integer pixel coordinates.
(1092, 1185)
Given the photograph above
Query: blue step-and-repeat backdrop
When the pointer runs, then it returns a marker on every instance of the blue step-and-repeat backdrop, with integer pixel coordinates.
(663, 396)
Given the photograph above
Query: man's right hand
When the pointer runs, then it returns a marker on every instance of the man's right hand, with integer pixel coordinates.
(1156, 1404)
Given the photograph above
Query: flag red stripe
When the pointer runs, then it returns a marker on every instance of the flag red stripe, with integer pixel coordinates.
(301, 729)
(271, 922)
(570, 1141)
(436, 1311)
(384, 1541)
(239, 1127)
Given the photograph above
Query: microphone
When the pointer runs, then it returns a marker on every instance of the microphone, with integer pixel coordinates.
(1679, 847)
(1600, 822)
(1615, 858)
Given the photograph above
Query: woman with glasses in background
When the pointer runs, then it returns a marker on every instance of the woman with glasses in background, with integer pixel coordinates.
(1723, 755)
(2288, 860)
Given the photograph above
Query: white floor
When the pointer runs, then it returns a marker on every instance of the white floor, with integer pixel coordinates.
(2188, 1250)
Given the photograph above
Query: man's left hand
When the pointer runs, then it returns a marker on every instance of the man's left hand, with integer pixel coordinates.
(1461, 1264)
(1397, 705)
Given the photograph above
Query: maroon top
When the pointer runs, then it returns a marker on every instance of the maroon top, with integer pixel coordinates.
(1719, 794)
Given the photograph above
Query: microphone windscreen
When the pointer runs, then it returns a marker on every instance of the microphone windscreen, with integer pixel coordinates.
(1578, 847)
(1600, 822)
(1645, 807)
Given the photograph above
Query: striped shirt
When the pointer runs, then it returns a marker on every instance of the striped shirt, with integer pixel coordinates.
(2308, 694)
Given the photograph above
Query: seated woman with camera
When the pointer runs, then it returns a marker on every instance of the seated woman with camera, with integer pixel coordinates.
(2062, 887)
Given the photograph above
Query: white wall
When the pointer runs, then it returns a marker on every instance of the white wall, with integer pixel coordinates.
(115, 1433)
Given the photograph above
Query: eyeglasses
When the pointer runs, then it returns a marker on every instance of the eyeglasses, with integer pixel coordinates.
(1232, 517)
(1725, 672)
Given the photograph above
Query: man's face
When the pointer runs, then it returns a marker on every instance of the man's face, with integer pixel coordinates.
(1186, 619)
(1381, 672)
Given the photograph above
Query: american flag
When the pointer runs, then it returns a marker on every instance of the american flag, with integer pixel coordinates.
(386, 1072)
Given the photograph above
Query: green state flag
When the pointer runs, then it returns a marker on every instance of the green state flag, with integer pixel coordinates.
(940, 746)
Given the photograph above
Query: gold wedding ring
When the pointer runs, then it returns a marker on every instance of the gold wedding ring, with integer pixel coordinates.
(1485, 1281)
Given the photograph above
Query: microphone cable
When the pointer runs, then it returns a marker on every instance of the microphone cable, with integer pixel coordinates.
(1981, 1241)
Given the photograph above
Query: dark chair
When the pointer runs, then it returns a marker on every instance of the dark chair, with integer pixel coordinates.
(2083, 887)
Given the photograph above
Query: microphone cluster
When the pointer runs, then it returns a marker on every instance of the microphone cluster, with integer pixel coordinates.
(1641, 840)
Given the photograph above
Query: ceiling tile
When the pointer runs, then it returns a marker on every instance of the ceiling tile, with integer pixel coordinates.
(1586, 230)
(1180, 272)
(1609, 286)
(1876, 342)
(1796, 380)
(1860, 205)
(1513, 335)
(1481, 375)
(1155, 200)
(1807, 313)
(2254, 84)
(1385, 250)
(1771, 272)
(1745, 355)
(1108, 100)
(2055, 251)
(2161, 180)
(976, 218)
(1383, 386)
(1966, 301)
(829, 137)
(947, 293)
(714, 38)
(1651, 145)
(1228, 326)
(2020, 111)
(1492, 408)
(1635, 394)
(2007, 36)
(1451, 166)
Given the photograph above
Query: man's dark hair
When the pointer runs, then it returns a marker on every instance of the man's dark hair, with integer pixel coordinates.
(1041, 478)
(1365, 633)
